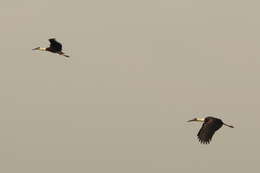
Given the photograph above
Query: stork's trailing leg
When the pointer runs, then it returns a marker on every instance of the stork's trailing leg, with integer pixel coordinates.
(61, 53)
(228, 125)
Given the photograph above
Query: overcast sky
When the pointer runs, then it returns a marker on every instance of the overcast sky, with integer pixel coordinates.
(139, 69)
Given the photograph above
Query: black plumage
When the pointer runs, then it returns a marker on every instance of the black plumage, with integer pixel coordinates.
(209, 127)
(55, 47)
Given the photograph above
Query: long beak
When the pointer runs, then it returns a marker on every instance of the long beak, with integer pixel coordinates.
(192, 120)
(37, 48)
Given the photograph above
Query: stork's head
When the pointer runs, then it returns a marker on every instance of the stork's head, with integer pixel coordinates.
(39, 48)
(197, 119)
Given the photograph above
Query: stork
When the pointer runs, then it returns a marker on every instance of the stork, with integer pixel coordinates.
(55, 47)
(209, 127)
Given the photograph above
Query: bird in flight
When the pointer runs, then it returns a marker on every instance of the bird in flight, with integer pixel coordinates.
(55, 47)
(209, 127)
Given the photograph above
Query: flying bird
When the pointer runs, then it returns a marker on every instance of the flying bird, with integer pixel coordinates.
(55, 47)
(209, 127)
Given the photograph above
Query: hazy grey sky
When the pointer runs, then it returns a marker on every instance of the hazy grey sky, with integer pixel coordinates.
(138, 70)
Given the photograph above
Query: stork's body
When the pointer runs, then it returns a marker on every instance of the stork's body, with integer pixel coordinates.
(209, 127)
(55, 47)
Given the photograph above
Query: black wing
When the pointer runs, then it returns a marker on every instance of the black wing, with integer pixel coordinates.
(55, 46)
(208, 129)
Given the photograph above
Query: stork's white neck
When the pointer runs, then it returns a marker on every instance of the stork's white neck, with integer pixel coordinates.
(200, 119)
(42, 49)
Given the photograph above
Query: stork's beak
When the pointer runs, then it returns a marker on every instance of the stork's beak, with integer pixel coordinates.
(195, 119)
(37, 48)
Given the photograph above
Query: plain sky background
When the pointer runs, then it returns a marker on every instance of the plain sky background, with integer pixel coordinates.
(139, 69)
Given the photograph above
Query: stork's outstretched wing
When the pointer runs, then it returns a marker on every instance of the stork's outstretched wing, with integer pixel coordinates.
(56, 46)
(209, 127)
